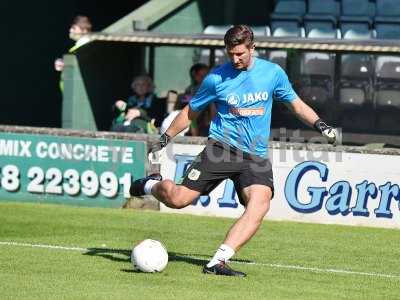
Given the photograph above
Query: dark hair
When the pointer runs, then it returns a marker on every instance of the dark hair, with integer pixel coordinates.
(83, 22)
(196, 68)
(237, 35)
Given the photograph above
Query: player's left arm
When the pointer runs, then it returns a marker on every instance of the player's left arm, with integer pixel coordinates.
(306, 114)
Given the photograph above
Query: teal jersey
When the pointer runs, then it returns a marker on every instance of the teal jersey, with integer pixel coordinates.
(243, 100)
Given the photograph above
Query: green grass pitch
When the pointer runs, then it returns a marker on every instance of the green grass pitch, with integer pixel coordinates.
(291, 260)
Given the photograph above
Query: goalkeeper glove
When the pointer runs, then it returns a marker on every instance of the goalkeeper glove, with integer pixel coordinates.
(328, 132)
(158, 148)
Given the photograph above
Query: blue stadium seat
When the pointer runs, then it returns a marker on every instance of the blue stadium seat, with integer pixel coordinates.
(284, 26)
(354, 28)
(327, 7)
(317, 69)
(387, 8)
(321, 19)
(363, 8)
(216, 29)
(294, 7)
(387, 70)
(260, 31)
(320, 26)
(387, 27)
(387, 21)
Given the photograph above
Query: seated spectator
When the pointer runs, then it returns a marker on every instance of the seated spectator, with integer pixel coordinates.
(201, 125)
(142, 112)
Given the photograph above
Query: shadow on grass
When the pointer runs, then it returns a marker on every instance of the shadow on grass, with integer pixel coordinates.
(124, 255)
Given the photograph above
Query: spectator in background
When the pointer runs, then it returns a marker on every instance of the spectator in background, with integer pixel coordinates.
(80, 26)
(200, 126)
(142, 112)
(197, 73)
(179, 104)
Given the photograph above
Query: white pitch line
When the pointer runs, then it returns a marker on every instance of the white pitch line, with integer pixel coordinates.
(277, 266)
(319, 270)
(42, 246)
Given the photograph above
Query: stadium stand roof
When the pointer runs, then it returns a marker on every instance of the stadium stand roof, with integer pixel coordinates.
(216, 41)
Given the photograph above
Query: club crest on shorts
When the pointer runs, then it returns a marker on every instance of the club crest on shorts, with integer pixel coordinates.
(194, 174)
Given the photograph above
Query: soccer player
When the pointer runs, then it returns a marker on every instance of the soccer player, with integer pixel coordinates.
(243, 91)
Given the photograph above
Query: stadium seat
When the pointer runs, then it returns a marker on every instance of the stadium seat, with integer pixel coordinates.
(260, 31)
(284, 26)
(387, 8)
(356, 68)
(387, 93)
(355, 77)
(216, 29)
(325, 7)
(387, 21)
(363, 8)
(320, 26)
(387, 70)
(387, 28)
(355, 105)
(355, 28)
(287, 18)
(356, 19)
(317, 69)
(294, 7)
(316, 83)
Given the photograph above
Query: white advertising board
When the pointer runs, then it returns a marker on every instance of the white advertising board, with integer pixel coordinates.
(310, 186)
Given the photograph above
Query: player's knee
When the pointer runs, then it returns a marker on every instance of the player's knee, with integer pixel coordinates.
(174, 195)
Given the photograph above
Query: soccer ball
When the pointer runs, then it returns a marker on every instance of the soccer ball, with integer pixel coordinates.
(149, 256)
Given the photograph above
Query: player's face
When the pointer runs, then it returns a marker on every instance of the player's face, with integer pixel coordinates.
(241, 56)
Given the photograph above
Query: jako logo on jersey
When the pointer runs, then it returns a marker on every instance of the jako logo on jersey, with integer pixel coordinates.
(254, 97)
(232, 99)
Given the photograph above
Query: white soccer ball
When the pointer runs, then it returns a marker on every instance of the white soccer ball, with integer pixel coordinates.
(149, 256)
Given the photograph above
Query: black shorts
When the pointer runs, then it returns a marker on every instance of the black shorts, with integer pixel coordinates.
(219, 161)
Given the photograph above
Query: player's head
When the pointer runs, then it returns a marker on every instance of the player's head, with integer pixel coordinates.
(239, 43)
(80, 25)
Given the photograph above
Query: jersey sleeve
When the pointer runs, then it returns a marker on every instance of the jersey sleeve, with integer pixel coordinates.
(283, 89)
(205, 94)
